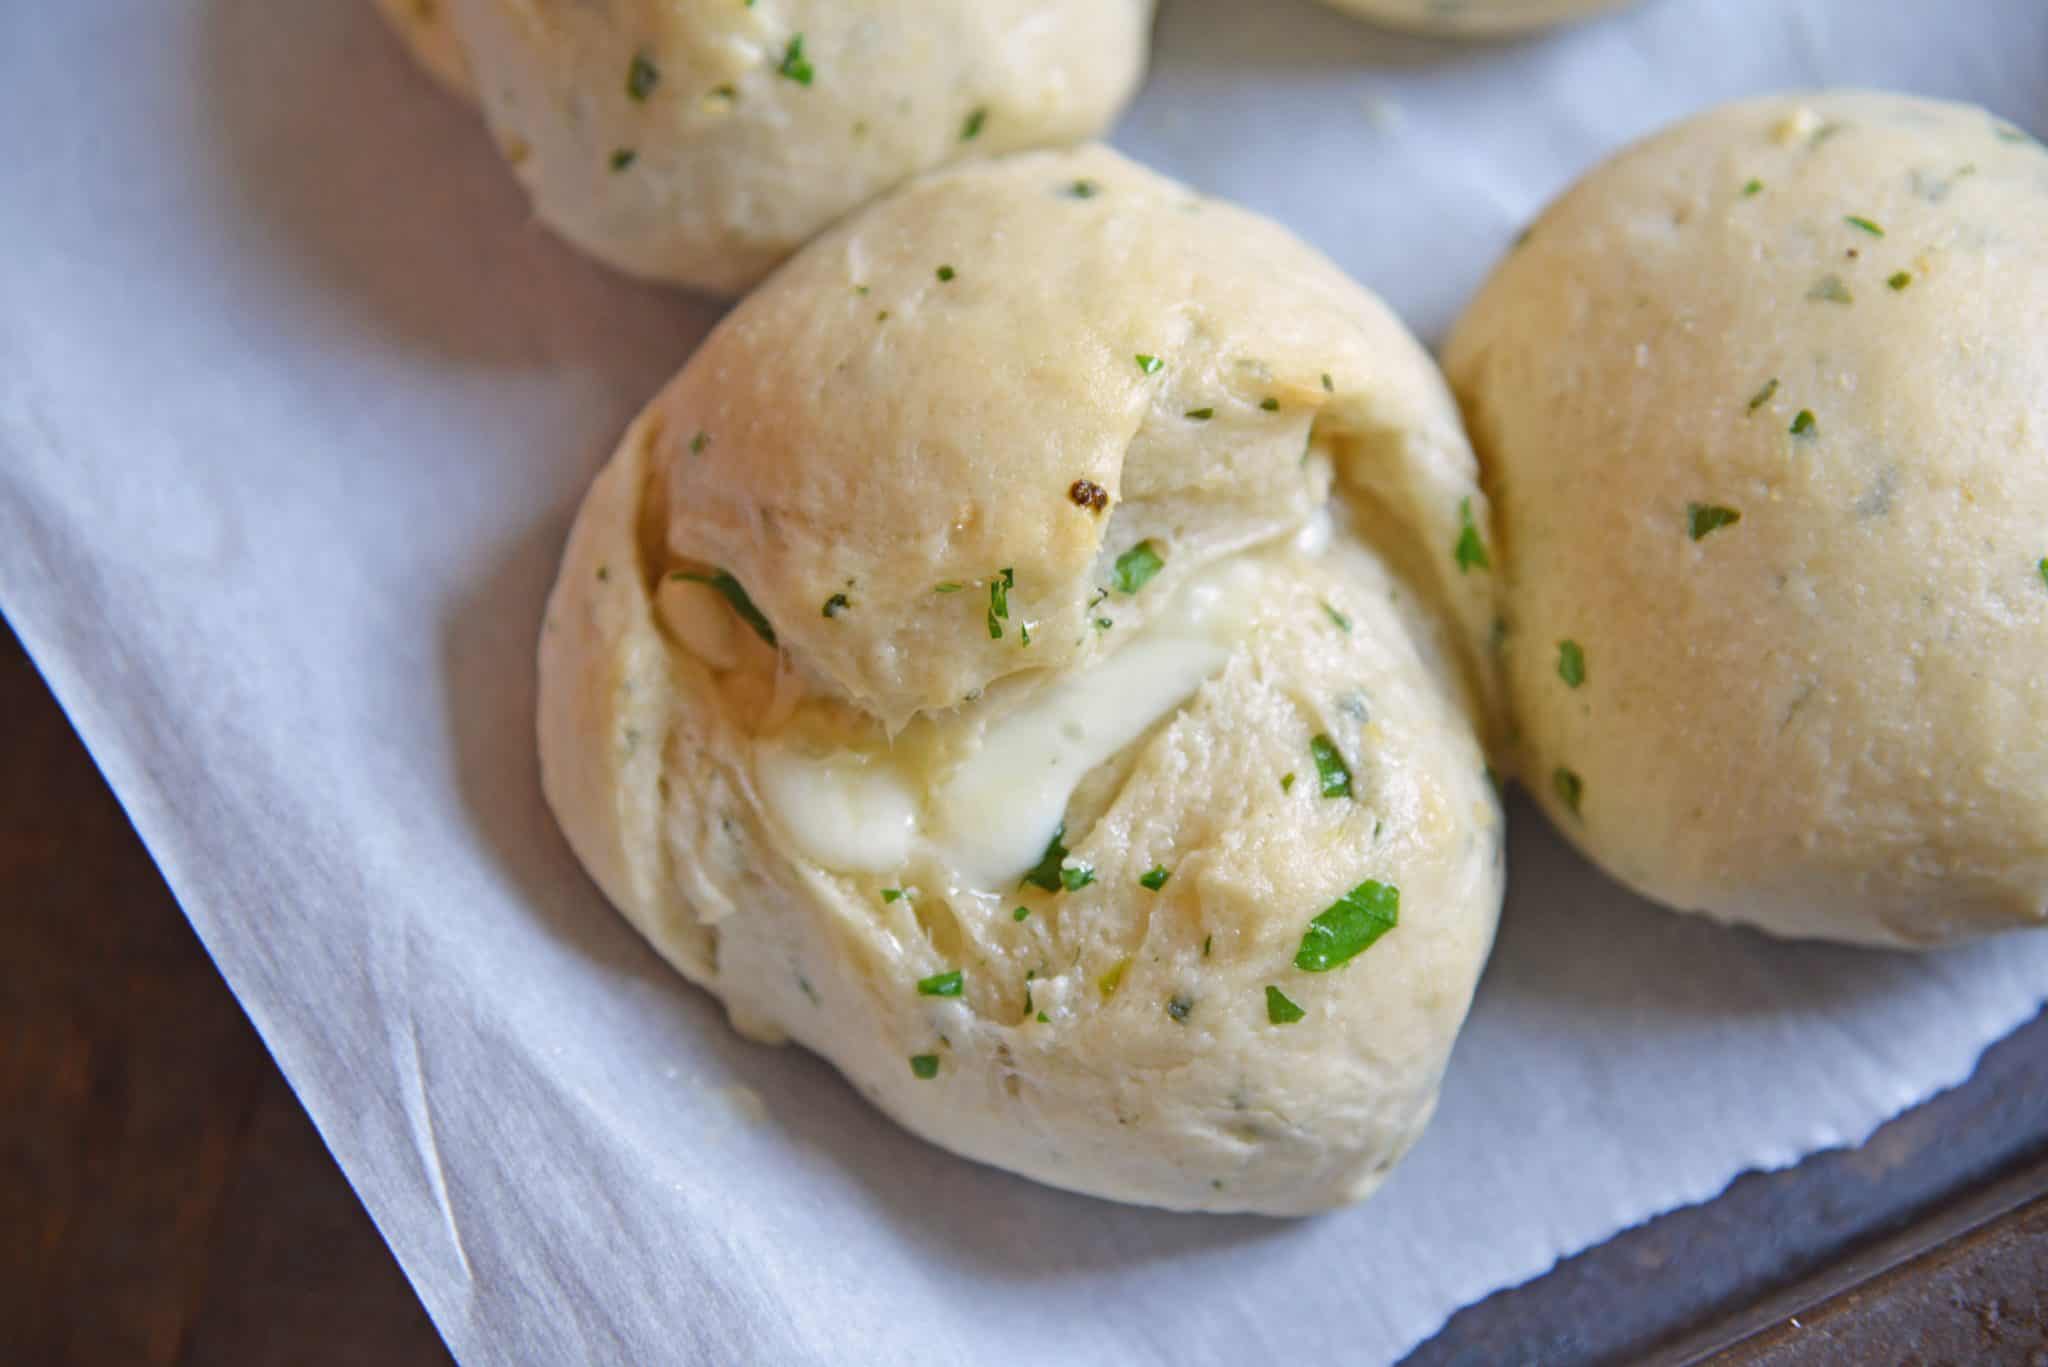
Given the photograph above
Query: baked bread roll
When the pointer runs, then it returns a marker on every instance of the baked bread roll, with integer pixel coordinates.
(1028, 656)
(425, 27)
(1764, 406)
(1475, 18)
(701, 144)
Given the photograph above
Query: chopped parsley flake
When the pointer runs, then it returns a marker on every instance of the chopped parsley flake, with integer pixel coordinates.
(1701, 518)
(1083, 189)
(948, 984)
(1109, 982)
(641, 77)
(971, 129)
(999, 602)
(1329, 387)
(622, 158)
(1858, 221)
(1570, 788)
(925, 1065)
(1349, 927)
(1154, 877)
(1136, 566)
(699, 442)
(1753, 187)
(893, 894)
(1830, 289)
(1199, 414)
(2044, 569)
(945, 274)
(1046, 872)
(1270, 404)
(1020, 913)
(604, 573)
(729, 588)
(795, 66)
(1207, 942)
(1074, 877)
(1337, 619)
(1571, 663)
(1279, 1010)
(1287, 782)
(1148, 364)
(1900, 279)
(1764, 395)
(835, 605)
(1043, 1019)
(1330, 767)
(949, 586)
(1469, 551)
(1103, 624)
(1178, 1007)
(1803, 424)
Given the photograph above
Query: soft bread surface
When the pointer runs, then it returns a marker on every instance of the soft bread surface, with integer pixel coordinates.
(1763, 404)
(1073, 503)
(701, 144)
(1475, 17)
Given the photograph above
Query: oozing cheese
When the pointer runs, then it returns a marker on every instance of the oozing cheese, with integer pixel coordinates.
(849, 811)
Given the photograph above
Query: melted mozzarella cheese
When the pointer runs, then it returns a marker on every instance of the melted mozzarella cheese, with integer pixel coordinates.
(999, 808)
(850, 811)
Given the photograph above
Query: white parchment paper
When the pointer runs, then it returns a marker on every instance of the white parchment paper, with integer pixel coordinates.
(295, 404)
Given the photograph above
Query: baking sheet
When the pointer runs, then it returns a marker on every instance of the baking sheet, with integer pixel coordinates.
(295, 405)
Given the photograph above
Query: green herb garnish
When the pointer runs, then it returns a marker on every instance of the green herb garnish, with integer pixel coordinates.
(1207, 941)
(729, 588)
(948, 587)
(2044, 569)
(1349, 927)
(1900, 279)
(1154, 877)
(925, 1065)
(1337, 618)
(1803, 424)
(971, 129)
(1571, 663)
(1287, 782)
(1569, 787)
(1469, 551)
(699, 442)
(1701, 518)
(1084, 189)
(795, 66)
(641, 77)
(945, 274)
(1753, 187)
(1330, 767)
(1074, 877)
(1830, 289)
(1858, 221)
(1270, 404)
(1329, 387)
(1136, 566)
(1199, 414)
(622, 158)
(1046, 872)
(999, 602)
(1764, 395)
(1109, 982)
(948, 984)
(1148, 364)
(893, 894)
(1020, 913)
(1279, 1010)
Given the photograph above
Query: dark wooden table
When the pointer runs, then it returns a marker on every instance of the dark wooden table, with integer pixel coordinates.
(164, 1200)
